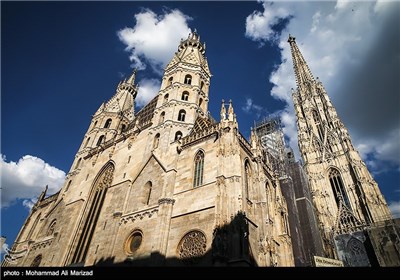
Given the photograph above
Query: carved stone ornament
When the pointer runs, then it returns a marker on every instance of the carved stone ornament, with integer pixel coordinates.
(192, 246)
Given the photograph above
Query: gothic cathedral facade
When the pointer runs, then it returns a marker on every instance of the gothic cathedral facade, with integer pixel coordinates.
(167, 185)
(345, 196)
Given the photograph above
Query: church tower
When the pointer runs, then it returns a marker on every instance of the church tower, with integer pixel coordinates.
(183, 96)
(345, 195)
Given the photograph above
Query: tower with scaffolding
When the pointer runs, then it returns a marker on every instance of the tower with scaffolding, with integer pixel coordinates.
(303, 227)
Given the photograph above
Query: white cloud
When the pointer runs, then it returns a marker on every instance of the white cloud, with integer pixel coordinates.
(4, 248)
(27, 178)
(29, 203)
(394, 207)
(250, 107)
(353, 47)
(148, 88)
(154, 38)
(260, 25)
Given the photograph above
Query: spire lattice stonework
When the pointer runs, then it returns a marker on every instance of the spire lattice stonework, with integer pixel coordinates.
(336, 171)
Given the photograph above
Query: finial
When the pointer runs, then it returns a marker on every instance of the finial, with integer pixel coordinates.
(230, 111)
(291, 39)
(131, 79)
(223, 111)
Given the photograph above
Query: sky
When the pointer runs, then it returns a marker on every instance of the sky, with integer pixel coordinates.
(61, 60)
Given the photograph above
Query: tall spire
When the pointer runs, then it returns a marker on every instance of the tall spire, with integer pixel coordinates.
(301, 70)
(131, 79)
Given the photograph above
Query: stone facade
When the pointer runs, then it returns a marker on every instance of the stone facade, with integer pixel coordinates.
(167, 185)
(345, 195)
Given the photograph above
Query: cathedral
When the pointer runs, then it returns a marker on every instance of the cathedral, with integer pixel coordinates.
(169, 185)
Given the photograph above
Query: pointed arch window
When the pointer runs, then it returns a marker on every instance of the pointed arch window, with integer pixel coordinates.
(101, 138)
(162, 117)
(123, 127)
(318, 124)
(78, 163)
(188, 79)
(201, 85)
(170, 81)
(95, 124)
(178, 135)
(87, 142)
(181, 115)
(185, 96)
(67, 187)
(338, 188)
(51, 228)
(92, 213)
(247, 178)
(201, 103)
(198, 169)
(147, 192)
(36, 261)
(108, 123)
(166, 98)
(156, 141)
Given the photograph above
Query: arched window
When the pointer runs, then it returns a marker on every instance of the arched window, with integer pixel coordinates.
(198, 169)
(95, 203)
(247, 178)
(170, 81)
(201, 102)
(101, 138)
(87, 142)
(338, 187)
(185, 96)
(188, 79)
(318, 124)
(78, 163)
(178, 135)
(166, 98)
(51, 228)
(36, 261)
(123, 127)
(147, 192)
(162, 117)
(156, 141)
(201, 85)
(108, 123)
(67, 187)
(95, 124)
(181, 115)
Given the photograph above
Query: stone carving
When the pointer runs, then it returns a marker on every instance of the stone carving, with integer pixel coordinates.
(134, 216)
(193, 245)
(166, 201)
(42, 244)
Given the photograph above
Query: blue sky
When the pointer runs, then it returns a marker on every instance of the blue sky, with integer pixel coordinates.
(61, 60)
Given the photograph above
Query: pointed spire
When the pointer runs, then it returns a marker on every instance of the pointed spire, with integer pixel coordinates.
(301, 69)
(231, 114)
(132, 78)
(223, 111)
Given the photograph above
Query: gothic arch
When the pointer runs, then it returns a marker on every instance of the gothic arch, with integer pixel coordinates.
(108, 123)
(36, 261)
(247, 177)
(192, 246)
(338, 187)
(51, 228)
(198, 173)
(92, 211)
(147, 192)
